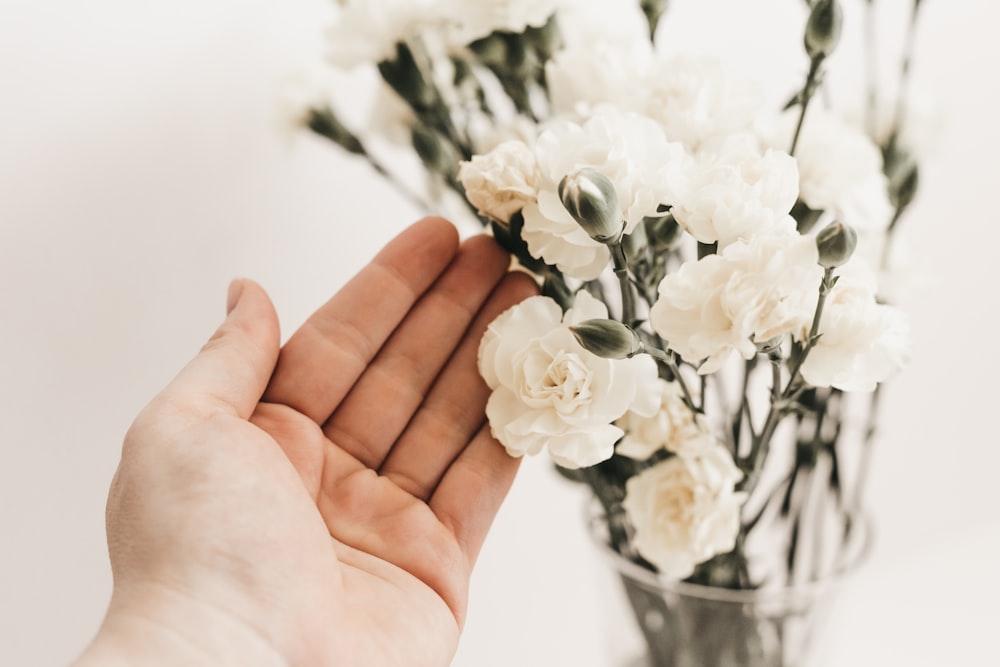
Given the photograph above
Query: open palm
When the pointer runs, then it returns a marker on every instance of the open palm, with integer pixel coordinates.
(326, 500)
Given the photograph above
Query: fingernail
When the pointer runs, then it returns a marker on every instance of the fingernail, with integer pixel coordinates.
(235, 292)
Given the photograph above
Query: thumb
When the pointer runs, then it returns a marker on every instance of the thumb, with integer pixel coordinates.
(233, 368)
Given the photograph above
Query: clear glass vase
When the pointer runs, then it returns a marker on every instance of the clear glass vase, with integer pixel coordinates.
(689, 625)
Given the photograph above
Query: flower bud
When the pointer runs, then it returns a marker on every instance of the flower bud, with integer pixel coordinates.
(903, 185)
(590, 198)
(607, 338)
(823, 28)
(836, 244)
(325, 123)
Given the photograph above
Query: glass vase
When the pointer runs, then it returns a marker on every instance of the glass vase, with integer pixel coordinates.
(690, 625)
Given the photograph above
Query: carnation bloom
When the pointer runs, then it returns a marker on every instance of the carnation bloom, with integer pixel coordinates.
(586, 76)
(631, 151)
(737, 190)
(751, 292)
(367, 31)
(673, 426)
(550, 392)
(862, 342)
(502, 181)
(698, 101)
(618, 24)
(469, 20)
(840, 168)
(685, 509)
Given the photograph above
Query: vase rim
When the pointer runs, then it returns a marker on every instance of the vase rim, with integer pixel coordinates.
(856, 552)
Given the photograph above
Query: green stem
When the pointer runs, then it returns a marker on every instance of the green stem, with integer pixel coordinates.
(621, 271)
(904, 74)
(667, 359)
(871, 70)
(779, 408)
(864, 464)
(807, 95)
(399, 185)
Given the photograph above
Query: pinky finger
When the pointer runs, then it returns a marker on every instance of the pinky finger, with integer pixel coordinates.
(470, 494)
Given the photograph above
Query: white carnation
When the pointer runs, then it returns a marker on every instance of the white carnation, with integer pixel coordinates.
(586, 76)
(502, 181)
(469, 20)
(548, 392)
(367, 31)
(750, 292)
(685, 510)
(631, 150)
(699, 101)
(618, 24)
(737, 190)
(862, 342)
(673, 426)
(840, 168)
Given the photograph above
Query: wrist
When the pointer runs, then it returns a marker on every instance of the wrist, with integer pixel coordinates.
(154, 625)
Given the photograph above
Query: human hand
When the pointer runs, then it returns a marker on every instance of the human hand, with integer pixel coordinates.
(321, 505)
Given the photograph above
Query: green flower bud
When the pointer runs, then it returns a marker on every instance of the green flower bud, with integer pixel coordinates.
(836, 244)
(590, 198)
(653, 10)
(607, 338)
(903, 185)
(823, 28)
(326, 124)
(404, 76)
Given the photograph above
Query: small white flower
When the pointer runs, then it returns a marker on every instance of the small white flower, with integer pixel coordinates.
(699, 101)
(588, 23)
(502, 181)
(367, 31)
(548, 392)
(469, 20)
(685, 510)
(751, 291)
(737, 190)
(862, 342)
(840, 169)
(586, 76)
(673, 427)
(631, 150)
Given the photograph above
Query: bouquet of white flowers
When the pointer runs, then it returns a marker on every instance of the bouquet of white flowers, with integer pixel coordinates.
(711, 334)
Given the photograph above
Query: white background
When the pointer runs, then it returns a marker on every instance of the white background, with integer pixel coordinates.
(140, 171)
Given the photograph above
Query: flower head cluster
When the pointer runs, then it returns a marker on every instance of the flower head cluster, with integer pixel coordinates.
(685, 509)
(368, 30)
(674, 427)
(629, 149)
(701, 249)
(753, 291)
(550, 393)
(738, 190)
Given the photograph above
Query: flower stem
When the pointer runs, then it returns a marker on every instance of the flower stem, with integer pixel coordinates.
(621, 271)
(807, 94)
(400, 187)
(871, 70)
(904, 74)
(779, 405)
(667, 359)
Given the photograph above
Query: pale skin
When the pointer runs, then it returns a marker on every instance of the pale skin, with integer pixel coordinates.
(320, 503)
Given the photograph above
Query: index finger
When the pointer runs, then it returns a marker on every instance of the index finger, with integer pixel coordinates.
(323, 359)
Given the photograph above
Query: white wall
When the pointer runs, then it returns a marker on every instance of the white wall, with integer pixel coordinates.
(139, 171)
